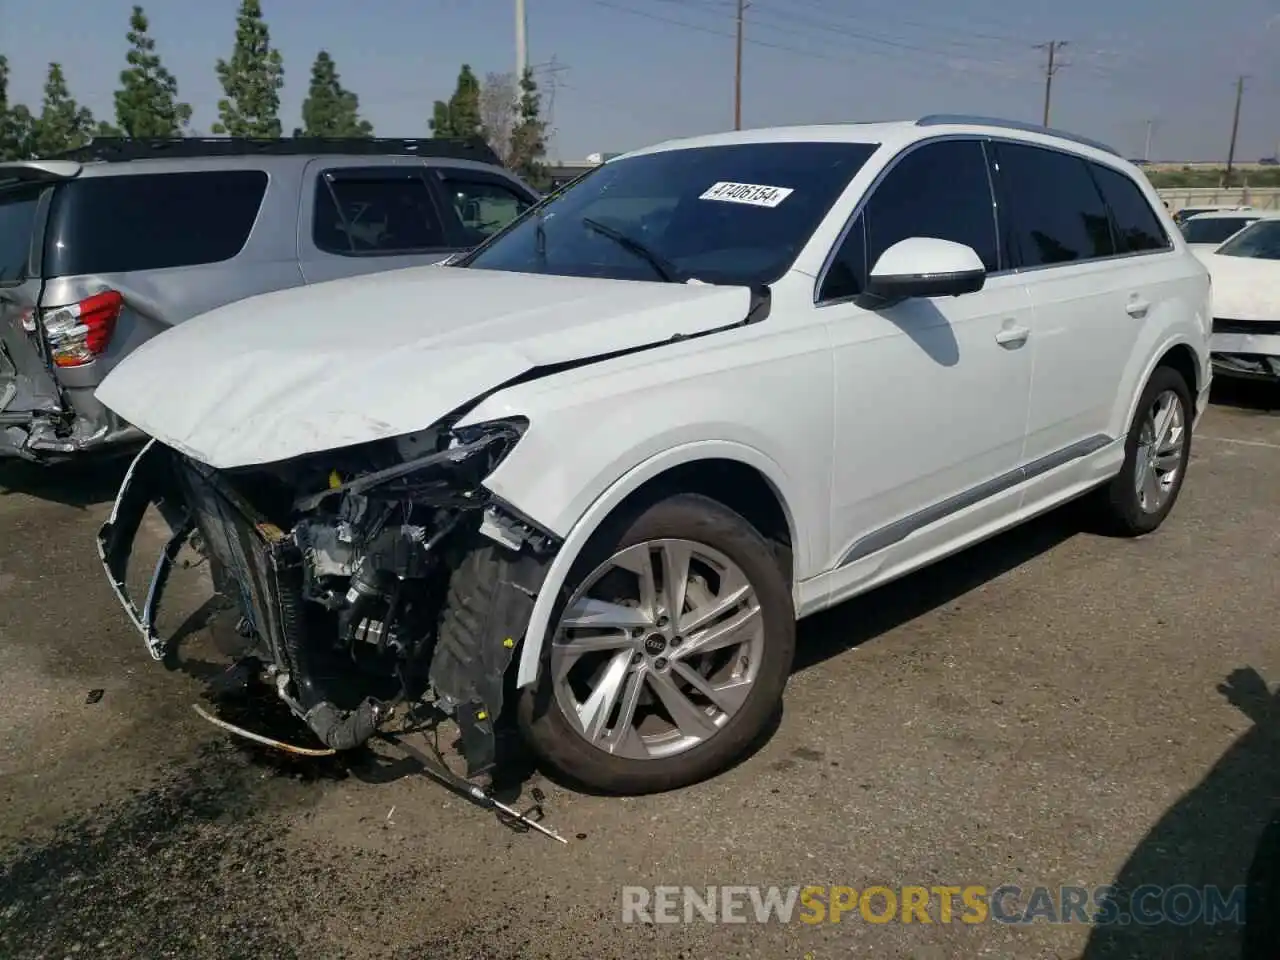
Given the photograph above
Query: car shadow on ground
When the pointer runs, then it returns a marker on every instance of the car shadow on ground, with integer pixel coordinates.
(76, 484)
(854, 622)
(1218, 844)
(1260, 396)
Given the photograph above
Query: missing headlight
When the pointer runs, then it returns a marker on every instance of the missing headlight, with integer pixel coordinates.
(397, 582)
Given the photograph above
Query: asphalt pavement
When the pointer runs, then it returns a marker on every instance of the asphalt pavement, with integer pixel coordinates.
(1051, 708)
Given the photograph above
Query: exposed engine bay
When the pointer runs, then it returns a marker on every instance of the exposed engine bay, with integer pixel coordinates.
(364, 578)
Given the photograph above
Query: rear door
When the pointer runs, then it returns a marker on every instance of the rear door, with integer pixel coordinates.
(26, 385)
(1092, 287)
(363, 219)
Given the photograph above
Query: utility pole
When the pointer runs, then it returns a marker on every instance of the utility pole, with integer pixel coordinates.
(1146, 150)
(1053, 46)
(1235, 128)
(522, 43)
(737, 73)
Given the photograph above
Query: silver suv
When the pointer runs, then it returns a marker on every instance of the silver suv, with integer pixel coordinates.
(103, 248)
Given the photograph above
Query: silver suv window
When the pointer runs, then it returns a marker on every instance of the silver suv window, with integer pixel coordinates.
(482, 204)
(376, 211)
(17, 222)
(116, 224)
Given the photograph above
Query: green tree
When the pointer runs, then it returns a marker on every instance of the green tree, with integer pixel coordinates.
(251, 80)
(16, 122)
(330, 110)
(63, 124)
(147, 101)
(460, 116)
(529, 136)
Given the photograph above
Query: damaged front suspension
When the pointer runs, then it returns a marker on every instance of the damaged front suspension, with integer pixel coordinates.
(348, 592)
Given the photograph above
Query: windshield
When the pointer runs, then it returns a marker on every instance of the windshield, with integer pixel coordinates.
(734, 214)
(1213, 229)
(1260, 242)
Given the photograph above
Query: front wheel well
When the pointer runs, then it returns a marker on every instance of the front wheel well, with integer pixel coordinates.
(741, 488)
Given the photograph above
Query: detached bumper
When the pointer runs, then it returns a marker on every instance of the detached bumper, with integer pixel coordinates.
(39, 440)
(1246, 348)
(149, 481)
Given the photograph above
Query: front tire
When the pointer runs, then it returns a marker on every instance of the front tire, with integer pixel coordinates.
(670, 653)
(1157, 450)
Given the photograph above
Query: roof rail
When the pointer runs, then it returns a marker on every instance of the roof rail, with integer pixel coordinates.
(939, 119)
(120, 149)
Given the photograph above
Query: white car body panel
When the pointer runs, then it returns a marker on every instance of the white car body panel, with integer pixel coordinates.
(877, 486)
(892, 437)
(1245, 290)
(351, 361)
(737, 388)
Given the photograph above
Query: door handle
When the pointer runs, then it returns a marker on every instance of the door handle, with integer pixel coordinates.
(1137, 308)
(1013, 336)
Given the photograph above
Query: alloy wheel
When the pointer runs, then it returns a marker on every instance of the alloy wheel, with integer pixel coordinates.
(658, 649)
(1158, 459)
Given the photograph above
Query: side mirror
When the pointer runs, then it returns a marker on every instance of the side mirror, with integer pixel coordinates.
(924, 267)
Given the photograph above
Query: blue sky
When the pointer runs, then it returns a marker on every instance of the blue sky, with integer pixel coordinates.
(645, 70)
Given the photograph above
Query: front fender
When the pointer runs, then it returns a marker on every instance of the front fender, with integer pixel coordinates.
(580, 532)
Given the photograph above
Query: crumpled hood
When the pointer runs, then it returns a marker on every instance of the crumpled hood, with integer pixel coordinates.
(350, 361)
(1244, 288)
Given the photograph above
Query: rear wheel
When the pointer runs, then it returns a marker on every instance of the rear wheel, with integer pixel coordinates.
(669, 656)
(1156, 453)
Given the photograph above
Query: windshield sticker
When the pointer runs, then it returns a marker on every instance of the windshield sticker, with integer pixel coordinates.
(755, 194)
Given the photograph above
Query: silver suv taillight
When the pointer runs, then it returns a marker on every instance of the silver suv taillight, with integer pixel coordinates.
(79, 332)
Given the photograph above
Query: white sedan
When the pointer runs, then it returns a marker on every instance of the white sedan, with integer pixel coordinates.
(1207, 231)
(1246, 301)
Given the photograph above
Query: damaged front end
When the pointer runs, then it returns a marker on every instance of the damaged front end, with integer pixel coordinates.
(364, 578)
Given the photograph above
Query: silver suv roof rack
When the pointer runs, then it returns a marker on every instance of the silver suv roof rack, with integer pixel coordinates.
(124, 149)
(939, 119)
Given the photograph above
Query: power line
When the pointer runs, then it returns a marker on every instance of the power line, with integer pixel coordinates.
(925, 64)
(1053, 66)
(809, 27)
(715, 33)
(949, 30)
(551, 71)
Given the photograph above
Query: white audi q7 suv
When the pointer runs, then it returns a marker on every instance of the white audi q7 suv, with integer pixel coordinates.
(588, 475)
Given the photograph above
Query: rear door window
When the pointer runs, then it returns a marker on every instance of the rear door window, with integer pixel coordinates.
(17, 221)
(483, 204)
(117, 224)
(1057, 213)
(376, 212)
(1137, 226)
